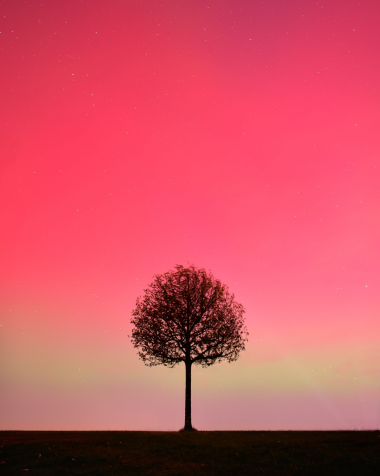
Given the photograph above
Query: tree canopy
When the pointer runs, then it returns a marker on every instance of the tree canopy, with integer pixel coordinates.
(188, 315)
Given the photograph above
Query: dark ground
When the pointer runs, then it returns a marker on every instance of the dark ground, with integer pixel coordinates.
(195, 453)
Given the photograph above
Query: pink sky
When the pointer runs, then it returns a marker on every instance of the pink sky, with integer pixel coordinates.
(240, 136)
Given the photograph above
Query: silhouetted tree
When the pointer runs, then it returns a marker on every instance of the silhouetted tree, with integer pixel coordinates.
(186, 315)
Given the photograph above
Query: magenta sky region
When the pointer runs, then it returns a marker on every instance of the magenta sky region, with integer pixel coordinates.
(236, 135)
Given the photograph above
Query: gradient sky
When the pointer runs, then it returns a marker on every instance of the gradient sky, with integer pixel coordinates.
(238, 135)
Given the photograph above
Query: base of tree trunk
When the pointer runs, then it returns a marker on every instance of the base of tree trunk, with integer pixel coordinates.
(188, 429)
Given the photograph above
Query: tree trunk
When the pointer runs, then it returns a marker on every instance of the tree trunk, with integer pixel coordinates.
(188, 425)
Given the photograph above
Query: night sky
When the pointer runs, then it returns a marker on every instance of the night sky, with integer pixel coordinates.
(241, 136)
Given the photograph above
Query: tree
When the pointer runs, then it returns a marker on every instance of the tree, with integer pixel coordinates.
(186, 315)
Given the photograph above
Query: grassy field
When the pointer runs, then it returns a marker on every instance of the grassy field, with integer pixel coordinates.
(196, 453)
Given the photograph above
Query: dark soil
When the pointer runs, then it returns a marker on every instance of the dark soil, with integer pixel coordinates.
(190, 453)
